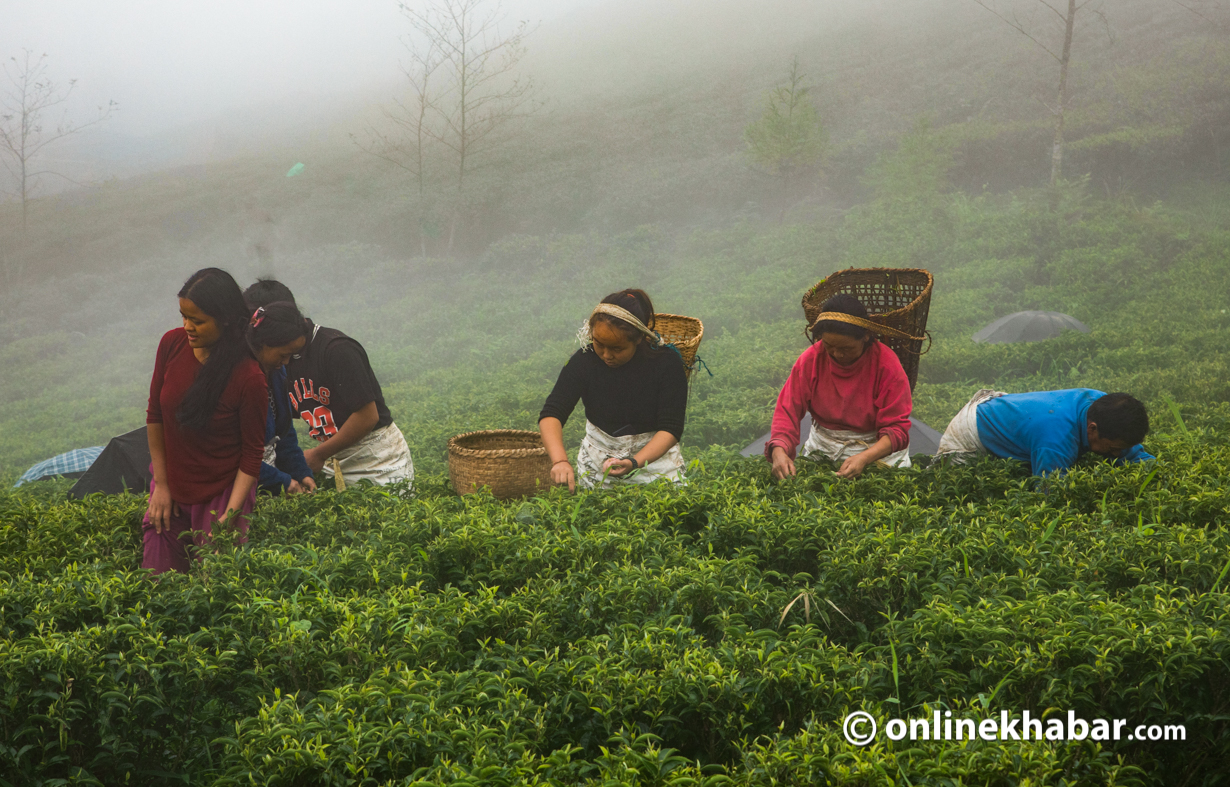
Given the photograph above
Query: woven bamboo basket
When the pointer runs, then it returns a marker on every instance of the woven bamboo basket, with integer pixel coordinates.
(683, 332)
(895, 297)
(510, 462)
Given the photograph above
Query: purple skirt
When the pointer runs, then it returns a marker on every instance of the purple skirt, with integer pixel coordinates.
(168, 550)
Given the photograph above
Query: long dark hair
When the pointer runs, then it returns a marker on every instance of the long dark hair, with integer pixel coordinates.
(214, 292)
(276, 325)
(635, 301)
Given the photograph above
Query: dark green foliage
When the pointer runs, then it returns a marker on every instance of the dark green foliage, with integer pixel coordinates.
(367, 637)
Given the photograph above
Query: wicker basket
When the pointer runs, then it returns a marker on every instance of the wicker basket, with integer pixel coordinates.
(683, 332)
(512, 463)
(895, 297)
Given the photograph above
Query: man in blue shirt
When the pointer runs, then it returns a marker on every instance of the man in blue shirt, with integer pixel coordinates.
(1048, 429)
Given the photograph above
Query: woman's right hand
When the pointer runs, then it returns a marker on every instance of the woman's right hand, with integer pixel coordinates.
(561, 473)
(161, 508)
(783, 465)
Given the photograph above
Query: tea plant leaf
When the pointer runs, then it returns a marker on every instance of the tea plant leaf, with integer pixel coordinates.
(1178, 417)
(1050, 529)
(1220, 577)
(1148, 479)
(896, 684)
(986, 701)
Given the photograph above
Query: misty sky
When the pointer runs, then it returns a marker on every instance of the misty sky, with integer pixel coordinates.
(171, 63)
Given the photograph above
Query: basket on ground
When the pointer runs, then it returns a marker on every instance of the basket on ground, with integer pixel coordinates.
(511, 462)
(683, 332)
(898, 298)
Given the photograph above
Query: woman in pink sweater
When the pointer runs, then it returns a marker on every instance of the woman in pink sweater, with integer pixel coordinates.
(857, 394)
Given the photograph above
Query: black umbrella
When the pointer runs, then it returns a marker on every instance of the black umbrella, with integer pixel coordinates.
(1028, 327)
(124, 465)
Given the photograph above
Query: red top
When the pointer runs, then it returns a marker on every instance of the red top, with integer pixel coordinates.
(870, 395)
(201, 465)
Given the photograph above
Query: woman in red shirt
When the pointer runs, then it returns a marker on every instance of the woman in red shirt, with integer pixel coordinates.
(857, 393)
(206, 421)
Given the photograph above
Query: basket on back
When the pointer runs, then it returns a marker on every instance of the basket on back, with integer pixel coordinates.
(512, 463)
(895, 297)
(684, 333)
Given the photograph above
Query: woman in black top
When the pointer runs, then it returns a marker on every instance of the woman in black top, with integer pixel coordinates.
(635, 394)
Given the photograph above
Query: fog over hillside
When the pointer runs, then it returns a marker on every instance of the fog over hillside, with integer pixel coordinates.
(207, 85)
(211, 84)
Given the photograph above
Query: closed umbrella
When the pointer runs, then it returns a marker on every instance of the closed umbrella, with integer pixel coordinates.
(1031, 326)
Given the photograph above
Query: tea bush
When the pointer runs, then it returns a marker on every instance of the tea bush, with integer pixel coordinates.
(634, 635)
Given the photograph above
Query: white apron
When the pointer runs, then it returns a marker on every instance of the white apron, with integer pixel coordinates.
(382, 457)
(840, 444)
(960, 441)
(598, 446)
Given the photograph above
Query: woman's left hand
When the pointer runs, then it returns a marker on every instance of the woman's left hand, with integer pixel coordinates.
(618, 467)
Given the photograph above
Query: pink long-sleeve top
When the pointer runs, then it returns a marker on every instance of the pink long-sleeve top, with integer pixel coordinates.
(870, 395)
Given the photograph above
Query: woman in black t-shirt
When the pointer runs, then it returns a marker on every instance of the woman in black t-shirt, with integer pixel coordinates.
(635, 394)
(331, 386)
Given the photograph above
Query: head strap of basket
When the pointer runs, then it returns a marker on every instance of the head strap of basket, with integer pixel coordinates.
(619, 313)
(683, 334)
(883, 330)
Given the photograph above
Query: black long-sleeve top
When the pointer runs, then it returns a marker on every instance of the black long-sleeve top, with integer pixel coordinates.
(647, 394)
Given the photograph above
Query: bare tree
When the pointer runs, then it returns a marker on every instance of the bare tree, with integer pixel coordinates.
(24, 132)
(405, 147)
(1212, 12)
(1066, 20)
(477, 92)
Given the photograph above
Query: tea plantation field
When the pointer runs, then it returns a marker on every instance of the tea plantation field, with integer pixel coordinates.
(634, 636)
(717, 634)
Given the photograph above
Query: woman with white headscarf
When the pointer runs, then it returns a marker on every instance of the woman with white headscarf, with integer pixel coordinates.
(635, 393)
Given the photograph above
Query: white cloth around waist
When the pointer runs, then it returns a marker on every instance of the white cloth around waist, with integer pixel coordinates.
(381, 457)
(840, 444)
(960, 439)
(598, 446)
